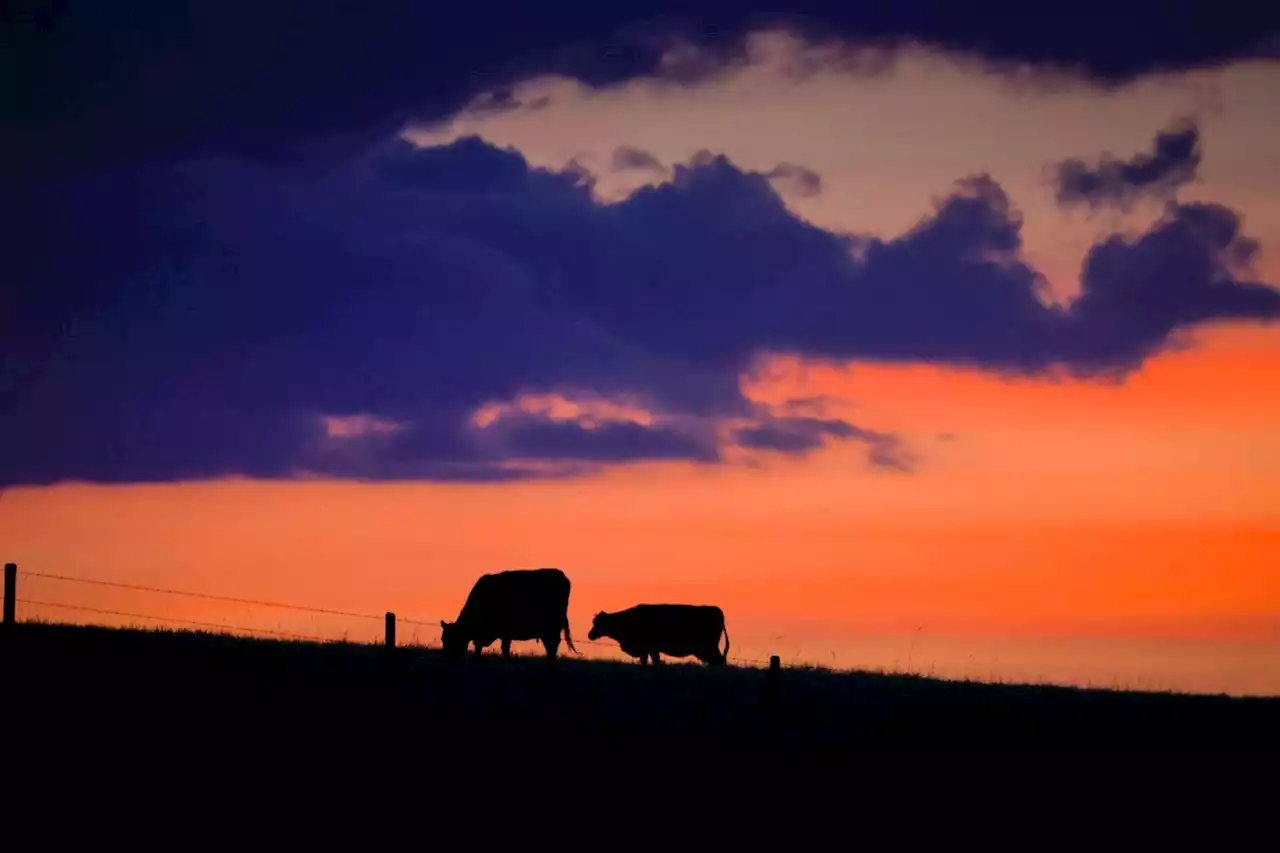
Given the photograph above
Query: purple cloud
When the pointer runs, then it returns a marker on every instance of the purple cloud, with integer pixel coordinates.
(312, 81)
(219, 317)
(1172, 163)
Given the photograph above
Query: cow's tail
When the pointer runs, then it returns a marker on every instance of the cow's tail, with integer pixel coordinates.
(568, 639)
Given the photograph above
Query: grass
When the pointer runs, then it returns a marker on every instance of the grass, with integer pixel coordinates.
(297, 722)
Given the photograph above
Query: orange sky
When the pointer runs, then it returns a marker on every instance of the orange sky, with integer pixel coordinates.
(1130, 514)
(1143, 511)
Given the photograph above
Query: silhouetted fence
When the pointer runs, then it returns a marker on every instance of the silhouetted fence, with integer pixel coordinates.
(389, 619)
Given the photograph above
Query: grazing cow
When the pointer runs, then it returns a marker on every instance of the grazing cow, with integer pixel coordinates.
(650, 630)
(520, 604)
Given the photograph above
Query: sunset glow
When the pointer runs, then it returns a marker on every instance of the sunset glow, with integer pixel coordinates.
(913, 494)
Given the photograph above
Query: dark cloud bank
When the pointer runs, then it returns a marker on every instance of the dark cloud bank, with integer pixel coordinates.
(249, 255)
(203, 320)
(136, 80)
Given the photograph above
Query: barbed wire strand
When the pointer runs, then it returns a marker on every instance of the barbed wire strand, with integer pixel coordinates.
(32, 601)
(428, 624)
(216, 597)
(206, 595)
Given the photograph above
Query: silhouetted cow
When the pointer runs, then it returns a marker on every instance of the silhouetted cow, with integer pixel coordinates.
(650, 630)
(520, 604)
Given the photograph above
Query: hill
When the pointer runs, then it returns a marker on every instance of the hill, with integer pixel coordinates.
(296, 722)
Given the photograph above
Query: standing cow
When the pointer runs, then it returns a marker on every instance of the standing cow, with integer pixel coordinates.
(647, 631)
(520, 604)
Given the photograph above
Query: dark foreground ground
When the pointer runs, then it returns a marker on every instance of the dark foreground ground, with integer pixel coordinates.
(174, 723)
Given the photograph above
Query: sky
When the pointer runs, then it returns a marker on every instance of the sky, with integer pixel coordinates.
(908, 341)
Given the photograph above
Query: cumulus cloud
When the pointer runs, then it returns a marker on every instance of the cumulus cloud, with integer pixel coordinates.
(1187, 269)
(1173, 161)
(313, 81)
(378, 318)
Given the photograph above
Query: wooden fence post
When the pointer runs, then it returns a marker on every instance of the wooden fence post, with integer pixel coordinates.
(391, 630)
(772, 690)
(10, 591)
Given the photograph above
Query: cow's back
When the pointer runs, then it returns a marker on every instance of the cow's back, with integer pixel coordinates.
(525, 601)
(682, 628)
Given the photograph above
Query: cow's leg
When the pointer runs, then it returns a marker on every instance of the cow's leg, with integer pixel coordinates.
(506, 648)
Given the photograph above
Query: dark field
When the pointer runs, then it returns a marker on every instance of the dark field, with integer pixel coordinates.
(204, 721)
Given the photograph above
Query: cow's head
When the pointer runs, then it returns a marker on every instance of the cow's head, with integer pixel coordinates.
(599, 626)
(451, 637)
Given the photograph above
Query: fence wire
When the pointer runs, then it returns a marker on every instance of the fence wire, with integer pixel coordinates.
(209, 596)
(128, 615)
